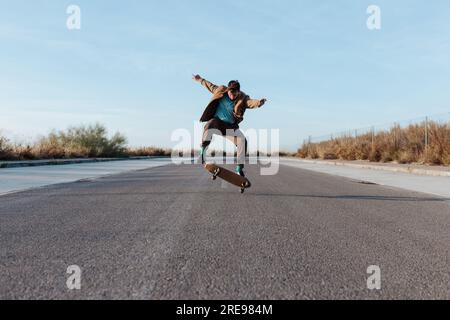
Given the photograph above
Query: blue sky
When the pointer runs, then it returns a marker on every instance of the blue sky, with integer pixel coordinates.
(130, 65)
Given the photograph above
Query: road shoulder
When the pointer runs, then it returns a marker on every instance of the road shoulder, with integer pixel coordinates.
(431, 184)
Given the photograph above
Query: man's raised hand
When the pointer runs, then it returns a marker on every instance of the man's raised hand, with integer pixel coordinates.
(196, 77)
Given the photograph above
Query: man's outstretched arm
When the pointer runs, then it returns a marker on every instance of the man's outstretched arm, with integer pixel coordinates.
(253, 103)
(208, 85)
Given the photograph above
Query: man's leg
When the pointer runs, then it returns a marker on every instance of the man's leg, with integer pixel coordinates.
(237, 137)
(212, 127)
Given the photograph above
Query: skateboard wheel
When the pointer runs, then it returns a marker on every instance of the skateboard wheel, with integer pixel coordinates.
(214, 177)
(242, 190)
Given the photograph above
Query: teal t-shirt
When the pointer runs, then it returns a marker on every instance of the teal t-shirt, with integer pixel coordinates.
(225, 109)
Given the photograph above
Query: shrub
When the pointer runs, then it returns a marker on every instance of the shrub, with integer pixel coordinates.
(82, 141)
(5, 149)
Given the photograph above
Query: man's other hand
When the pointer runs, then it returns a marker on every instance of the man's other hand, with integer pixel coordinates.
(262, 102)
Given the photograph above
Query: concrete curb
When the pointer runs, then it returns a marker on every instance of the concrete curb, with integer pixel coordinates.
(406, 169)
(53, 162)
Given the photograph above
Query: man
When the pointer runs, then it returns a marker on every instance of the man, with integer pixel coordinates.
(223, 114)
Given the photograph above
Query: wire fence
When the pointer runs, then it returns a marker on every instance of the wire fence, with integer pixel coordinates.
(373, 130)
(425, 139)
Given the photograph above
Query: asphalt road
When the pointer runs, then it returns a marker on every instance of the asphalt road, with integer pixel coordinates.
(172, 233)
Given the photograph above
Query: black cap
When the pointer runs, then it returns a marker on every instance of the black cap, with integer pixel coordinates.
(234, 85)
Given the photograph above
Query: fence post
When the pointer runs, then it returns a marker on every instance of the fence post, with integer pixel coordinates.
(309, 146)
(426, 137)
(394, 130)
(373, 138)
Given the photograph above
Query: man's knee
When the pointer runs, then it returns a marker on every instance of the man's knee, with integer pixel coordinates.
(211, 128)
(212, 124)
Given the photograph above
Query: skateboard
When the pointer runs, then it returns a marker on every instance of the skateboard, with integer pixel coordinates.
(228, 176)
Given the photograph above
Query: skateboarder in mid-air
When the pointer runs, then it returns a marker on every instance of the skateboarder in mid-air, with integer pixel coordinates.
(223, 114)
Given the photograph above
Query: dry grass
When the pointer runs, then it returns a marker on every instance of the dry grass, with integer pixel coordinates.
(76, 142)
(403, 145)
(148, 152)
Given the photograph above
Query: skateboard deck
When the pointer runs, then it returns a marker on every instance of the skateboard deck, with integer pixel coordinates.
(228, 176)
